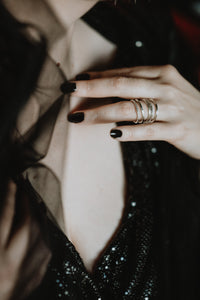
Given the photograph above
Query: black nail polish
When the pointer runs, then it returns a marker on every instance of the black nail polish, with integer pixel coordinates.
(83, 76)
(76, 117)
(115, 133)
(68, 87)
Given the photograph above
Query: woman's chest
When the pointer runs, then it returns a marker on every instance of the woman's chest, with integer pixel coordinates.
(87, 162)
(93, 188)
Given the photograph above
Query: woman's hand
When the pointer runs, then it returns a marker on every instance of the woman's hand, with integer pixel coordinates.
(178, 120)
(23, 253)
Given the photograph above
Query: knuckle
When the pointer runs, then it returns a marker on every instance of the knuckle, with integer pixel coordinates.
(95, 116)
(173, 110)
(87, 86)
(168, 71)
(178, 134)
(150, 131)
(131, 135)
(126, 108)
(118, 81)
(128, 134)
(171, 92)
(176, 110)
(182, 131)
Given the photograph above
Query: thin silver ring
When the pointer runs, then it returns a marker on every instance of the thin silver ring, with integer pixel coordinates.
(153, 119)
(151, 108)
(141, 121)
(136, 110)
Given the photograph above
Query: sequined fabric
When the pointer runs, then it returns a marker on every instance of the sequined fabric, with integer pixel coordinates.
(126, 269)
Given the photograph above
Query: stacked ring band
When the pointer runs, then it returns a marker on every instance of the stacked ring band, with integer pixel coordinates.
(146, 110)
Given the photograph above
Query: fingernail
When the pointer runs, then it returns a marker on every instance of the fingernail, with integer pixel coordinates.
(68, 87)
(83, 76)
(115, 133)
(76, 118)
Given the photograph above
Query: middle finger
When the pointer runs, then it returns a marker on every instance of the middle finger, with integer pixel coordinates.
(117, 112)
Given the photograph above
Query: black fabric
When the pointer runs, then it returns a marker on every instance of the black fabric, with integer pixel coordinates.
(126, 269)
(177, 204)
(177, 211)
(15, 49)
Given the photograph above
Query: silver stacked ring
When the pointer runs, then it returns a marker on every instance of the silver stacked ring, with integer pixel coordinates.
(146, 110)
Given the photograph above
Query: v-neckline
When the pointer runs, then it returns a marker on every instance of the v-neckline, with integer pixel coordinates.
(126, 217)
(119, 227)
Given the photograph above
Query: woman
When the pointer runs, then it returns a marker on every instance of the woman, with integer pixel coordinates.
(107, 202)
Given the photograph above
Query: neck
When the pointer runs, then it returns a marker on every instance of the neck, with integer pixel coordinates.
(54, 19)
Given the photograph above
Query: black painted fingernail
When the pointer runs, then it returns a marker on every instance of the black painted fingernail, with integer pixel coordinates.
(83, 76)
(76, 117)
(115, 133)
(68, 87)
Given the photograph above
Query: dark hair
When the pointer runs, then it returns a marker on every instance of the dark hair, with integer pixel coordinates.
(18, 77)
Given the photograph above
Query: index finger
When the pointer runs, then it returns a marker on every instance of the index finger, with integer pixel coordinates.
(123, 87)
(150, 72)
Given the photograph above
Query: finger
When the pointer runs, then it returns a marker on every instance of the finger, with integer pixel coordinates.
(122, 87)
(34, 278)
(150, 72)
(35, 232)
(122, 111)
(19, 241)
(22, 208)
(156, 132)
(39, 255)
(7, 213)
(33, 271)
(18, 245)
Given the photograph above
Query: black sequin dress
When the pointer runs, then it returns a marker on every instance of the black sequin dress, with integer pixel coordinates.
(128, 268)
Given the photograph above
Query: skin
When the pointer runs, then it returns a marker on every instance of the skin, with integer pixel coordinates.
(59, 25)
(67, 12)
(178, 103)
